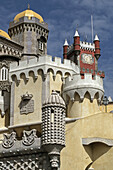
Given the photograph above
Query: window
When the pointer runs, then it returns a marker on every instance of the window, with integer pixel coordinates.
(40, 45)
(52, 116)
(4, 74)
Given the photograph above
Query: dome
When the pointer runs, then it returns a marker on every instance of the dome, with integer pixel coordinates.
(28, 13)
(4, 34)
(54, 99)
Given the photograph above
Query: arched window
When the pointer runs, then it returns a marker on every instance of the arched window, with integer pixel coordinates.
(4, 73)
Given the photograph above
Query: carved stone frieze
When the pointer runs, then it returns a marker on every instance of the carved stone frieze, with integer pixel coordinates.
(9, 140)
(5, 85)
(4, 63)
(29, 137)
(26, 162)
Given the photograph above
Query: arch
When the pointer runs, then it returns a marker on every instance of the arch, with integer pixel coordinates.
(32, 74)
(14, 77)
(43, 39)
(96, 96)
(59, 72)
(76, 96)
(67, 74)
(50, 70)
(40, 71)
(87, 95)
(23, 76)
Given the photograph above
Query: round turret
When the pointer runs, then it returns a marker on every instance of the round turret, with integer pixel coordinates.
(97, 47)
(77, 43)
(53, 127)
(65, 47)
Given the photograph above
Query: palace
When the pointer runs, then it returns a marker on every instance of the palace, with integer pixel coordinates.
(50, 109)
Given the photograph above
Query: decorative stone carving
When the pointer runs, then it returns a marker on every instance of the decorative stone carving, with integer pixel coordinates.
(53, 127)
(26, 162)
(5, 85)
(9, 140)
(26, 96)
(26, 105)
(29, 137)
(4, 63)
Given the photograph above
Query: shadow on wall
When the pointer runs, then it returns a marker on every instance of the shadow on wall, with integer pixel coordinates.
(95, 151)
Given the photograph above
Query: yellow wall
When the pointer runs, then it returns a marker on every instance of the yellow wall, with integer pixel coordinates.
(56, 83)
(2, 121)
(107, 108)
(75, 156)
(33, 87)
(82, 108)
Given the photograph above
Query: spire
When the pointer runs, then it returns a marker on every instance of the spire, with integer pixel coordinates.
(28, 7)
(76, 34)
(66, 43)
(96, 38)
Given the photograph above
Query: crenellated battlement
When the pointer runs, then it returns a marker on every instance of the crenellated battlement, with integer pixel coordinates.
(87, 46)
(44, 63)
(81, 86)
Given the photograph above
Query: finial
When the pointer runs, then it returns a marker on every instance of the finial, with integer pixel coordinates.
(66, 43)
(76, 33)
(96, 38)
(28, 7)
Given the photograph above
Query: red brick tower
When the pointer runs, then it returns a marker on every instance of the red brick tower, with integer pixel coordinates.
(84, 54)
(65, 47)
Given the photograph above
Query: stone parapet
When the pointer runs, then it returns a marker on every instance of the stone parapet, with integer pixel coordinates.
(10, 48)
(44, 63)
(87, 46)
(81, 86)
(26, 20)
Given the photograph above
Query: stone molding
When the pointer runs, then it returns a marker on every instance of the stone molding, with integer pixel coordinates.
(5, 85)
(88, 141)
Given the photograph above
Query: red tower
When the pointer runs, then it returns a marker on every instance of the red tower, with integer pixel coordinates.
(97, 47)
(84, 54)
(77, 43)
(65, 47)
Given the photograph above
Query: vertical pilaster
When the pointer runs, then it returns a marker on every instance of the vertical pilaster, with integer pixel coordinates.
(12, 98)
(45, 86)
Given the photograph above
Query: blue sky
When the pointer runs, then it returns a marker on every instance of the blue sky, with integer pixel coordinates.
(62, 17)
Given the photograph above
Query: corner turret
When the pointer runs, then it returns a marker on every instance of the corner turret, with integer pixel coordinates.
(65, 47)
(97, 47)
(77, 43)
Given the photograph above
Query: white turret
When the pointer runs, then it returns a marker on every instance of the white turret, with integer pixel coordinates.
(66, 43)
(76, 34)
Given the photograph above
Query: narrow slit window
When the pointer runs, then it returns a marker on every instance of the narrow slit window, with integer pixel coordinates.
(40, 45)
(52, 116)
